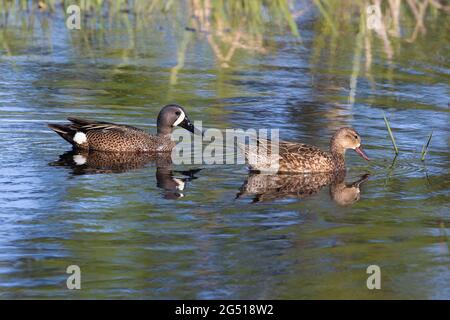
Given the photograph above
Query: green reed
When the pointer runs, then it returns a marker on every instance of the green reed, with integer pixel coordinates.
(425, 146)
(390, 134)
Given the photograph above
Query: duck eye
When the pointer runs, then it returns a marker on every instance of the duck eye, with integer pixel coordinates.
(356, 137)
(177, 113)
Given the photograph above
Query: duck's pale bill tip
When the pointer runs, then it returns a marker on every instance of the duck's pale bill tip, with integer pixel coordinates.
(361, 153)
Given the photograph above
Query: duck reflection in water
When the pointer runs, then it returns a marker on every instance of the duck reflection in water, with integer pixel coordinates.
(270, 187)
(96, 162)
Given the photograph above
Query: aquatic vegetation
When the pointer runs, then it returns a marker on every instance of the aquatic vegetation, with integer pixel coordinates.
(389, 20)
(391, 135)
(425, 146)
(382, 42)
(245, 25)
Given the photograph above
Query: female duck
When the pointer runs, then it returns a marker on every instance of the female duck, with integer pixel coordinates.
(105, 136)
(303, 158)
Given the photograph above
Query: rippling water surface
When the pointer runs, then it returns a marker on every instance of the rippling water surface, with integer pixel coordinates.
(150, 231)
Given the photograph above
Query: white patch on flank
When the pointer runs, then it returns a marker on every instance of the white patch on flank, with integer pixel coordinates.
(79, 159)
(180, 184)
(80, 138)
(180, 119)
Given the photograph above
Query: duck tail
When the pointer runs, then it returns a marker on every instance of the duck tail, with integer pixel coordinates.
(65, 131)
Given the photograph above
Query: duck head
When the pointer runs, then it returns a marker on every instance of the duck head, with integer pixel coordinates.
(347, 138)
(171, 116)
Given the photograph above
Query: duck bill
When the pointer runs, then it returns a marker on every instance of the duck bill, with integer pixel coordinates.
(361, 153)
(187, 124)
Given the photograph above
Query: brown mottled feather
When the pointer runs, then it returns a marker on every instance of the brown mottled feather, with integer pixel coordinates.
(106, 136)
(299, 157)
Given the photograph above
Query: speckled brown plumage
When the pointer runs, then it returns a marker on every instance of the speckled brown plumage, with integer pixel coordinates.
(303, 158)
(105, 136)
(120, 138)
(270, 187)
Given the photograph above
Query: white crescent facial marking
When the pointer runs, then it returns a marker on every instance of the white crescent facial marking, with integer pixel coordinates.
(180, 119)
(79, 159)
(80, 138)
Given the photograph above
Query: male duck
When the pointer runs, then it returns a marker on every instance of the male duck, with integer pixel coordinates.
(104, 136)
(303, 158)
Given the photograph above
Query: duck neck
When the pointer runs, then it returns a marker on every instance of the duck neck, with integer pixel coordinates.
(164, 132)
(338, 153)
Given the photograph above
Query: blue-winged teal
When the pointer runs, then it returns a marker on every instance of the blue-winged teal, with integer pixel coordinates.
(104, 136)
(303, 158)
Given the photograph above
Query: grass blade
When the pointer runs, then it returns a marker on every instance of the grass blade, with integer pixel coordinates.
(425, 146)
(390, 134)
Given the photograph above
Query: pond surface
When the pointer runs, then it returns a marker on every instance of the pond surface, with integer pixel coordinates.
(143, 230)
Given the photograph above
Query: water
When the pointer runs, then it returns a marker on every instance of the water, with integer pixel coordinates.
(145, 230)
